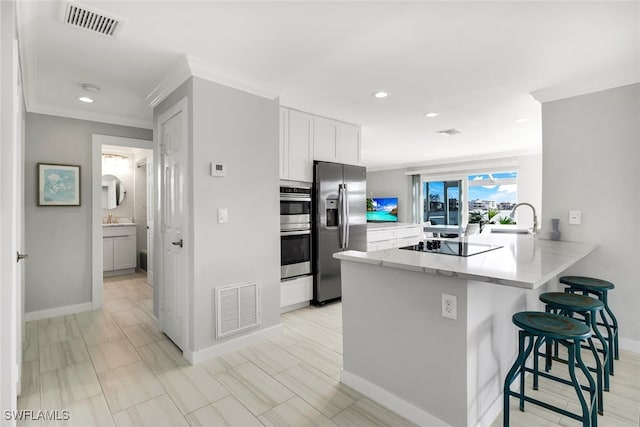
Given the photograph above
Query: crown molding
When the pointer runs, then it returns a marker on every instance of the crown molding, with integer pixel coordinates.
(569, 91)
(190, 66)
(93, 117)
(208, 71)
(177, 74)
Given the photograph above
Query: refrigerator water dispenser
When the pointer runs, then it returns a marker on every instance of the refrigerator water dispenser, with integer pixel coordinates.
(332, 213)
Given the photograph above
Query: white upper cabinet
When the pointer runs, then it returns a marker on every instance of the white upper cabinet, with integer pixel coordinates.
(296, 145)
(324, 138)
(348, 143)
(300, 146)
(284, 143)
(336, 141)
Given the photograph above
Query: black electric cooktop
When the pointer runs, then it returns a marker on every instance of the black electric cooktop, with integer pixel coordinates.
(450, 247)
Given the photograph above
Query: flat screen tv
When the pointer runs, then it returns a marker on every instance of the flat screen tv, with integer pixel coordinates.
(382, 209)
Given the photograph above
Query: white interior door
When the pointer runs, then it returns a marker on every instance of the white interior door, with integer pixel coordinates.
(173, 154)
(11, 172)
(150, 216)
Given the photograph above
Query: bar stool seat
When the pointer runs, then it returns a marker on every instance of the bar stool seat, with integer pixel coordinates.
(537, 328)
(568, 304)
(599, 288)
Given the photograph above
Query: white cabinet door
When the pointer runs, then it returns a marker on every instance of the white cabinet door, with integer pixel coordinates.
(324, 139)
(107, 254)
(124, 252)
(284, 143)
(348, 143)
(300, 146)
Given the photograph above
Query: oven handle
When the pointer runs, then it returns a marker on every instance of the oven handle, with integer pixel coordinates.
(284, 198)
(295, 233)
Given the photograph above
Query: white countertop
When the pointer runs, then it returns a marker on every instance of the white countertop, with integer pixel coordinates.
(524, 261)
(388, 225)
(119, 224)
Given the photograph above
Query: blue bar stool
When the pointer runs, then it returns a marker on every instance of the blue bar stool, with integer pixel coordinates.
(568, 304)
(537, 328)
(599, 288)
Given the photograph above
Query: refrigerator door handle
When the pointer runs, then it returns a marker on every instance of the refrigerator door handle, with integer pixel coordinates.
(341, 214)
(346, 216)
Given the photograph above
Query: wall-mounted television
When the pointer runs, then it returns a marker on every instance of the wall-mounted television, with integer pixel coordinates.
(382, 209)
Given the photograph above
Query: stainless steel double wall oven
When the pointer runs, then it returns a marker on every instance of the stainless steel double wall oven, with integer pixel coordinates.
(295, 230)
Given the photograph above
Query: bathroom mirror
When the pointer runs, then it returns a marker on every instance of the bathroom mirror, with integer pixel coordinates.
(113, 192)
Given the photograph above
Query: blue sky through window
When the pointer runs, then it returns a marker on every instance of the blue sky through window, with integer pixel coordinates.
(498, 192)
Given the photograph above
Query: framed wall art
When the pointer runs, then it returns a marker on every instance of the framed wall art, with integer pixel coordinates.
(58, 185)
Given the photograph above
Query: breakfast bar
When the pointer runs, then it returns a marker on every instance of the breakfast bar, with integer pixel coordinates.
(401, 351)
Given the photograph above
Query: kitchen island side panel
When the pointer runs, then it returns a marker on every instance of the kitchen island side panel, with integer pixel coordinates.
(395, 337)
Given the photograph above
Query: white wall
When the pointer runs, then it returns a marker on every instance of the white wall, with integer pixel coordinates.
(58, 239)
(591, 150)
(241, 131)
(396, 182)
(140, 208)
(392, 183)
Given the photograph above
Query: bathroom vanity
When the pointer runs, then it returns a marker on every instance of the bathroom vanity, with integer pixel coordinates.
(118, 249)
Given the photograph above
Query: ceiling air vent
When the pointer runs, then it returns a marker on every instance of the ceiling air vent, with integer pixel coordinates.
(92, 20)
(449, 132)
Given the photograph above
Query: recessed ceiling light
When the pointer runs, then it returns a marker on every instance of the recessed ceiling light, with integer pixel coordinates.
(380, 94)
(85, 99)
(449, 132)
(91, 88)
(432, 115)
(522, 120)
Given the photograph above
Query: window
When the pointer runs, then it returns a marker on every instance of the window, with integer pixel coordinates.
(468, 198)
(492, 196)
(441, 202)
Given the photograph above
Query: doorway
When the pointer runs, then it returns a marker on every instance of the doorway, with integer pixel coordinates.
(123, 155)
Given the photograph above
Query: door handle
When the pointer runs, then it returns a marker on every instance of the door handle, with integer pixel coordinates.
(147, 227)
(20, 256)
(346, 217)
(178, 243)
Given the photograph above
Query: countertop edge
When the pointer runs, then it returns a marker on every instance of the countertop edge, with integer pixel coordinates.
(544, 277)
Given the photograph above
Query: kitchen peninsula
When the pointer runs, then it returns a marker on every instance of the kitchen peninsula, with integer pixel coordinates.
(401, 351)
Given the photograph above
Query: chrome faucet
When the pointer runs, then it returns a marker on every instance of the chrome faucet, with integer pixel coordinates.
(534, 230)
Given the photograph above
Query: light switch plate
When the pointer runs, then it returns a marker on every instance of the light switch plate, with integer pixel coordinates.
(218, 169)
(223, 215)
(575, 217)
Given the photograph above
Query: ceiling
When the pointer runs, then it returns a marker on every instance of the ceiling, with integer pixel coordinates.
(475, 63)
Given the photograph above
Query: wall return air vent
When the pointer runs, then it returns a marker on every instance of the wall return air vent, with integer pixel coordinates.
(89, 19)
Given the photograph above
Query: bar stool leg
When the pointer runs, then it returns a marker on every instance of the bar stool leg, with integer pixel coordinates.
(593, 397)
(511, 375)
(610, 338)
(616, 350)
(571, 349)
(606, 351)
(539, 341)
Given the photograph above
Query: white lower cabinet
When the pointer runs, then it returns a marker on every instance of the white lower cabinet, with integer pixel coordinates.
(296, 291)
(393, 237)
(119, 249)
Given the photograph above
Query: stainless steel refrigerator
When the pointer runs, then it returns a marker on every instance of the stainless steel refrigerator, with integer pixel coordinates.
(340, 223)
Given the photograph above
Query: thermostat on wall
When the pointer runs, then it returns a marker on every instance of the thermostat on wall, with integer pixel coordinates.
(218, 169)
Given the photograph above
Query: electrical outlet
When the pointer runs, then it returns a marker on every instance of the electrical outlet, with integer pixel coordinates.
(223, 216)
(450, 306)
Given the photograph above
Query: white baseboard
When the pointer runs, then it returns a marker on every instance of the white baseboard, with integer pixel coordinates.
(391, 401)
(293, 307)
(198, 356)
(629, 344)
(58, 311)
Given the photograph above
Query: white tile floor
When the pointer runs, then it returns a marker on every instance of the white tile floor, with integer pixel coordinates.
(112, 367)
